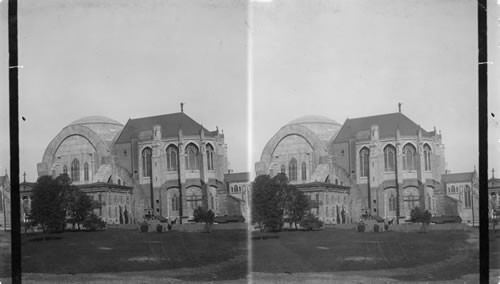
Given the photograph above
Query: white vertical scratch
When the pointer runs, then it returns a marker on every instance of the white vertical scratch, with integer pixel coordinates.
(250, 133)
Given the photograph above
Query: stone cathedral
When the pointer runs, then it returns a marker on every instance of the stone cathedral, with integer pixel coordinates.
(166, 165)
(382, 166)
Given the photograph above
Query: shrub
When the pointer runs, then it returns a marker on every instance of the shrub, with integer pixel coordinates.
(144, 227)
(159, 228)
(169, 227)
(311, 222)
(376, 228)
(386, 227)
(361, 227)
(94, 222)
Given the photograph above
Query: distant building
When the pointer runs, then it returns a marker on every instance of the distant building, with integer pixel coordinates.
(494, 191)
(239, 188)
(461, 196)
(5, 202)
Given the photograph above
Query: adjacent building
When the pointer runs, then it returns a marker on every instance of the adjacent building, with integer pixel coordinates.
(5, 202)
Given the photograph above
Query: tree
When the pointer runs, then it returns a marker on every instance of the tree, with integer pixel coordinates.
(311, 222)
(207, 217)
(297, 206)
(421, 216)
(93, 222)
(268, 201)
(50, 200)
(79, 206)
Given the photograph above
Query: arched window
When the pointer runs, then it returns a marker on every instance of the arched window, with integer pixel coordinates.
(389, 158)
(75, 170)
(283, 169)
(192, 155)
(336, 181)
(392, 202)
(175, 202)
(427, 157)
(409, 157)
(210, 157)
(146, 162)
(193, 198)
(65, 169)
(86, 171)
(172, 153)
(453, 189)
(304, 171)
(212, 201)
(292, 169)
(467, 197)
(364, 162)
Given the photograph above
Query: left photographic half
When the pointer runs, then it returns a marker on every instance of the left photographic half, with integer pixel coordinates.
(134, 140)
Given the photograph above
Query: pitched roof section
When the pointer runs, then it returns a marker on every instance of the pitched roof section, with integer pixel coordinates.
(237, 177)
(170, 125)
(457, 177)
(387, 123)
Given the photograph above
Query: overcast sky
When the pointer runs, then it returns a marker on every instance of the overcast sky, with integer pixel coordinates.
(339, 59)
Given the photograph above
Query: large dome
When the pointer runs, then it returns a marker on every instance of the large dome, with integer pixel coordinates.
(105, 127)
(95, 120)
(325, 128)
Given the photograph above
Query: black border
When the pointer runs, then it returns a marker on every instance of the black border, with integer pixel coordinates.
(14, 144)
(483, 140)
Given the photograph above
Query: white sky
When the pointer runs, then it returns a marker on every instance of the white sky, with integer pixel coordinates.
(339, 59)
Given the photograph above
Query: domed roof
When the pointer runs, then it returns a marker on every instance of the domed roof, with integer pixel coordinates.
(324, 127)
(95, 120)
(312, 119)
(105, 127)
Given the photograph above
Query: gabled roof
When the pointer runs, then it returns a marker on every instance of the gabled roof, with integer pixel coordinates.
(457, 177)
(387, 123)
(237, 177)
(170, 125)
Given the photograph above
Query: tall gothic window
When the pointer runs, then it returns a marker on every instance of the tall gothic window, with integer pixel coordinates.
(75, 170)
(283, 169)
(172, 153)
(146, 162)
(86, 171)
(452, 189)
(364, 162)
(175, 202)
(304, 171)
(192, 155)
(427, 157)
(392, 202)
(389, 158)
(467, 197)
(408, 157)
(292, 169)
(65, 169)
(210, 157)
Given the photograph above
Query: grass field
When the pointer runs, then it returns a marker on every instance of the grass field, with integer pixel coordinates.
(123, 250)
(222, 255)
(438, 255)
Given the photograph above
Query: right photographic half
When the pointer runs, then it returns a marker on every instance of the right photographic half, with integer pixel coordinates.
(364, 141)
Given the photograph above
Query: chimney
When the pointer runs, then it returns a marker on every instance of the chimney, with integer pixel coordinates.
(182, 107)
(399, 106)
(493, 173)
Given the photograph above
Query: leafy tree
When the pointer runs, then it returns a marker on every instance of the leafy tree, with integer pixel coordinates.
(50, 200)
(421, 216)
(79, 206)
(93, 222)
(297, 205)
(207, 217)
(269, 200)
(311, 222)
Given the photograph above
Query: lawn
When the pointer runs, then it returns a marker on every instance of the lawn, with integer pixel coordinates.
(116, 250)
(435, 255)
(5, 264)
